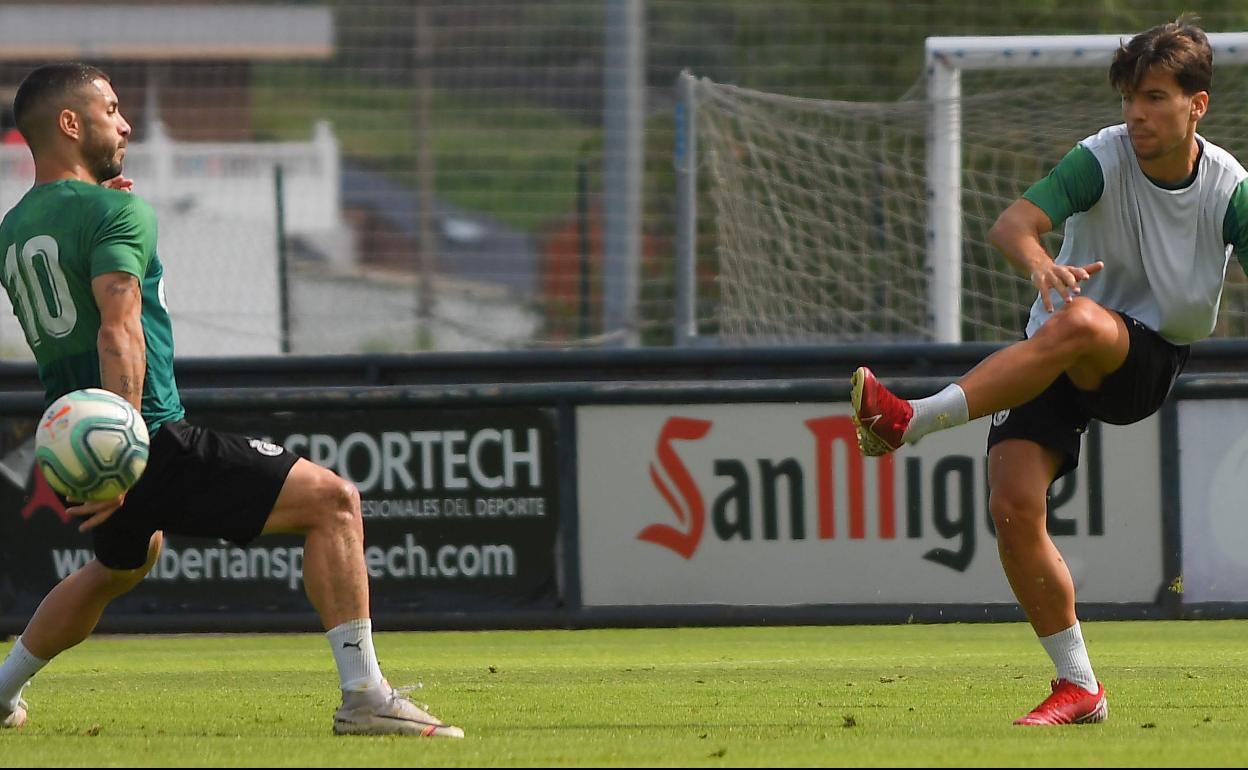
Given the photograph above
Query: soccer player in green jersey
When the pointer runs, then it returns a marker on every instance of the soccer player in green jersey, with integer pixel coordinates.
(1152, 212)
(82, 272)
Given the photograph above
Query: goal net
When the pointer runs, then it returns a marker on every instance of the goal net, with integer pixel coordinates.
(826, 221)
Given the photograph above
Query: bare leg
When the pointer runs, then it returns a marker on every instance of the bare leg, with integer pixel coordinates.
(1082, 339)
(1019, 474)
(318, 504)
(72, 609)
(324, 508)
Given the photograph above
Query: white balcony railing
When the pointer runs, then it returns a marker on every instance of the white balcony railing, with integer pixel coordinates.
(217, 211)
(226, 179)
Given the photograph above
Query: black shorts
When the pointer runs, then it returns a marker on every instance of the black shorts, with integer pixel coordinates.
(1057, 418)
(198, 482)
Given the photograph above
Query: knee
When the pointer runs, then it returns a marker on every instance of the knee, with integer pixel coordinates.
(1017, 517)
(115, 582)
(339, 507)
(1081, 324)
(120, 581)
(110, 583)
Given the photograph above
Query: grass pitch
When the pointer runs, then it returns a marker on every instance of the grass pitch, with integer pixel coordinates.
(786, 696)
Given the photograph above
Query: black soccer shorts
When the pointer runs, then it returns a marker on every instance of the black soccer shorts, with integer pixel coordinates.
(198, 482)
(1058, 417)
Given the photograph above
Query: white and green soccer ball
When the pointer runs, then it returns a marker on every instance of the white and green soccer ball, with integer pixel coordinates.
(91, 444)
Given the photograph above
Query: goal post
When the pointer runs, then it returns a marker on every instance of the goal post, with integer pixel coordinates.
(815, 221)
(947, 59)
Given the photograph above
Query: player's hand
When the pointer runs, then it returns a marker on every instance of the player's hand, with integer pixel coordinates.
(119, 182)
(98, 511)
(1064, 279)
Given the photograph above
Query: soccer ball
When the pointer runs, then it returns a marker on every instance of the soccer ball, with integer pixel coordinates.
(91, 444)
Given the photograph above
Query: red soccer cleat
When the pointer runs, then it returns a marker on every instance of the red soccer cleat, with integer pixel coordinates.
(879, 417)
(1069, 704)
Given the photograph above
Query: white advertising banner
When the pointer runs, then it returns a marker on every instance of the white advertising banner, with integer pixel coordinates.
(1213, 479)
(771, 504)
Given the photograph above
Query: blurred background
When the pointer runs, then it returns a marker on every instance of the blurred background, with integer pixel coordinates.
(417, 175)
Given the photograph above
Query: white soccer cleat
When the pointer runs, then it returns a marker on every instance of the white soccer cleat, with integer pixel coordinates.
(15, 718)
(361, 714)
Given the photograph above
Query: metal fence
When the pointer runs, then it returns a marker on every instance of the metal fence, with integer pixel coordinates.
(476, 206)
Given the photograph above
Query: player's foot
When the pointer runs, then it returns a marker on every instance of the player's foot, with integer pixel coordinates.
(879, 417)
(1069, 704)
(363, 714)
(15, 718)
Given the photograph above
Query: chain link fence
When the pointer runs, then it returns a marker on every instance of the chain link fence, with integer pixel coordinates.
(442, 162)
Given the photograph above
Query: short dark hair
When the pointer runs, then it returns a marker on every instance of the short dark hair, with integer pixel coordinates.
(46, 84)
(1180, 48)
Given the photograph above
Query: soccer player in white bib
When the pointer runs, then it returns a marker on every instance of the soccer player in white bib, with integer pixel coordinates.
(1152, 211)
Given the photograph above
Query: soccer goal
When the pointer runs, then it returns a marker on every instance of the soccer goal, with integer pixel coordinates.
(807, 221)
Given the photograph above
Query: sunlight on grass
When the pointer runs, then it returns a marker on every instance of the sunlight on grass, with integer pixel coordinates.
(848, 695)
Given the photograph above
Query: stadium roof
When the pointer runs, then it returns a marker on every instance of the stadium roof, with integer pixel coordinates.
(165, 33)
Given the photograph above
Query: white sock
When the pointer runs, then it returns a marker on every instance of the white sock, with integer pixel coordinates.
(946, 409)
(1069, 654)
(352, 644)
(15, 674)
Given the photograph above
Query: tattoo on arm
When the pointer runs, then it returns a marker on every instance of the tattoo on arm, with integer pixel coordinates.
(121, 287)
(125, 385)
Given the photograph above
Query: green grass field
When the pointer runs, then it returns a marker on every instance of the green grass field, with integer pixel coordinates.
(842, 695)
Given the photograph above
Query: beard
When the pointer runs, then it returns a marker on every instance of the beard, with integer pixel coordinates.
(101, 158)
(105, 166)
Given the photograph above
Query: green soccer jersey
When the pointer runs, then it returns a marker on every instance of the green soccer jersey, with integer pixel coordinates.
(58, 238)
